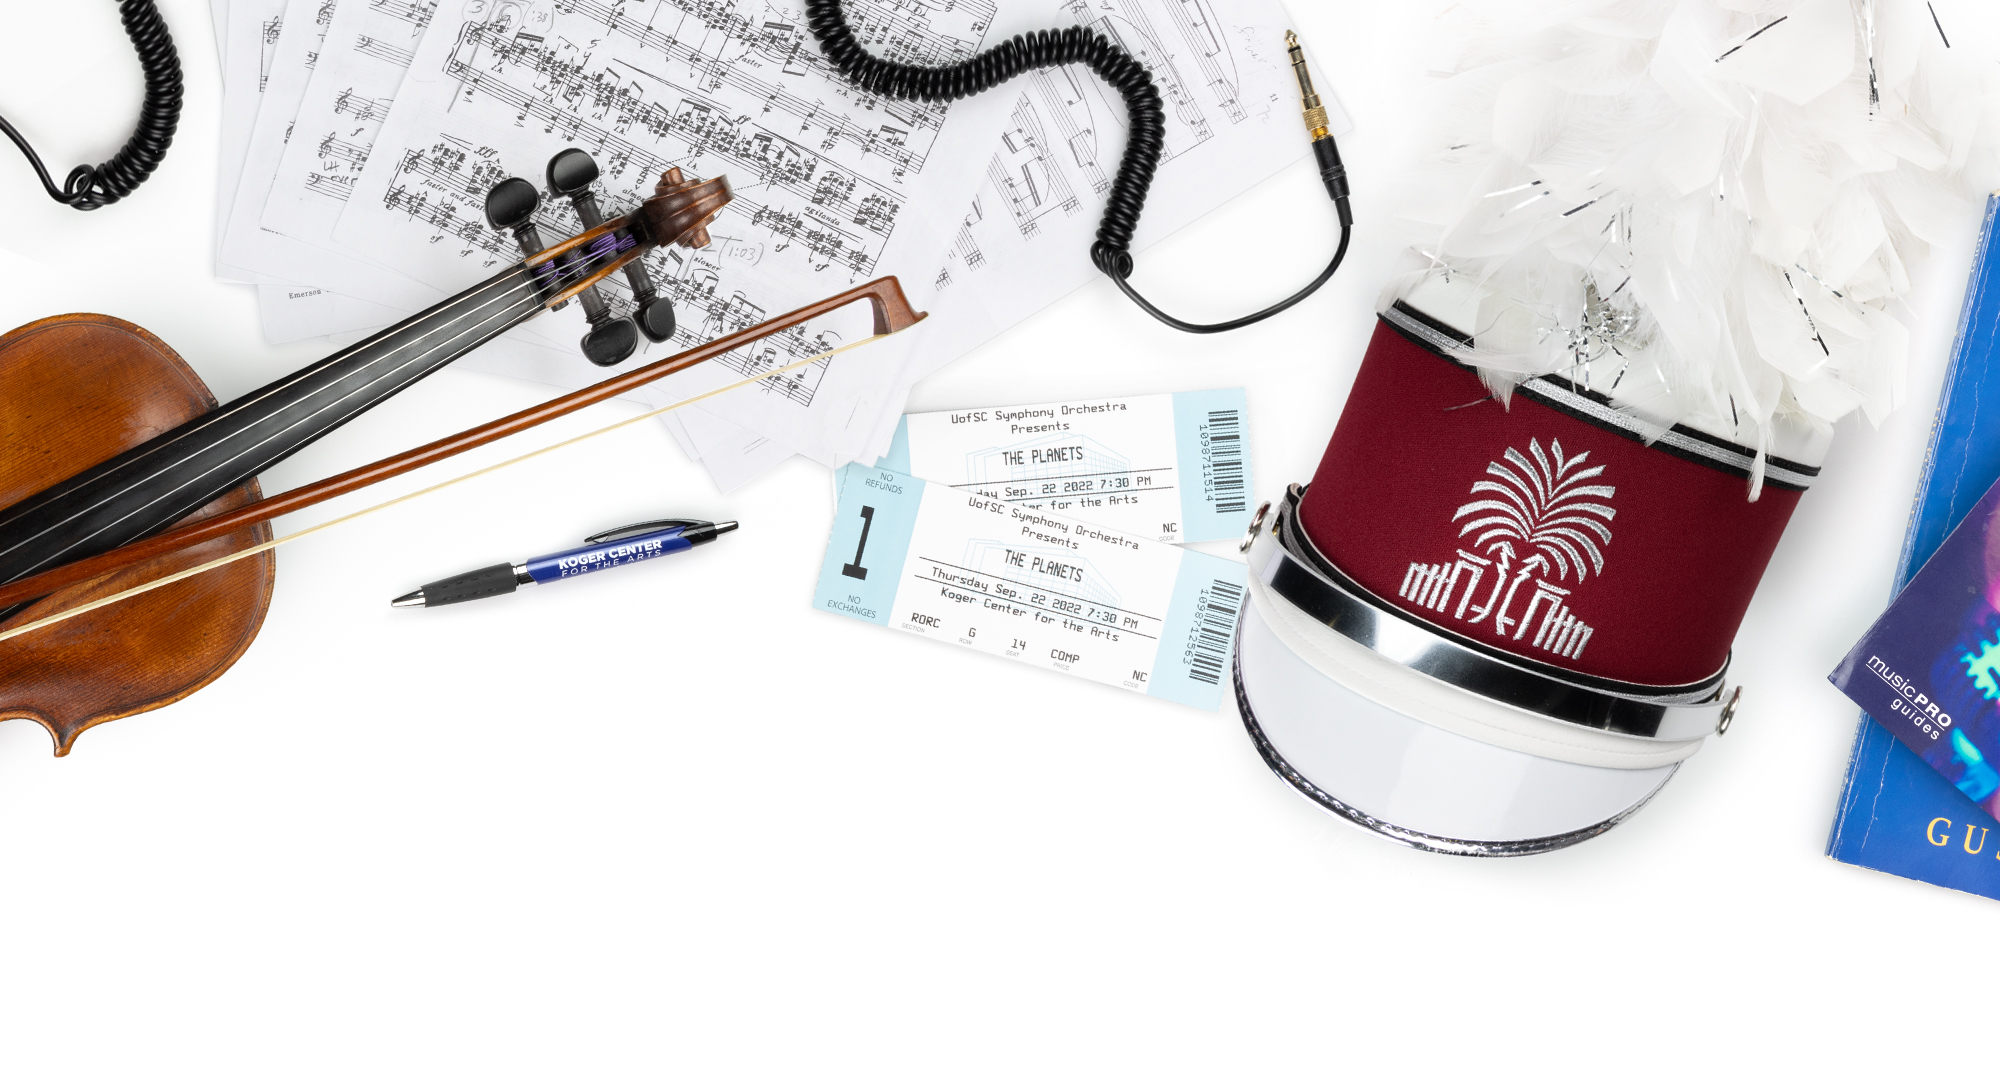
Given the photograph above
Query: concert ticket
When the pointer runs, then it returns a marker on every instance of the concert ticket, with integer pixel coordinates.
(1046, 589)
(1170, 467)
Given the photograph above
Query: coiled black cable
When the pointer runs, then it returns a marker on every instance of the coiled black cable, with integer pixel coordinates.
(1112, 252)
(92, 186)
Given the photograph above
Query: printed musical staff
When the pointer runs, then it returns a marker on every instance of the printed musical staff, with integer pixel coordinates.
(417, 13)
(362, 108)
(334, 149)
(268, 47)
(383, 51)
(336, 188)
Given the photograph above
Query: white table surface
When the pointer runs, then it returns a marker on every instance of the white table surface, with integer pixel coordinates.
(672, 821)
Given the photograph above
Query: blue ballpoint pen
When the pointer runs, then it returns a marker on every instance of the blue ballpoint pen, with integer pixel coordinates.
(612, 548)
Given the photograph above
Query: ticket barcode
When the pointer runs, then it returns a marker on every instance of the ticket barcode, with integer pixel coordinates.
(1225, 460)
(1215, 625)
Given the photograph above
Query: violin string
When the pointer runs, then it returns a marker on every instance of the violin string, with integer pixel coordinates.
(513, 309)
(149, 586)
(510, 316)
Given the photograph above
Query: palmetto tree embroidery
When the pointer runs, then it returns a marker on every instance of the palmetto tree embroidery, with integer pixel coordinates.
(1546, 506)
(1545, 503)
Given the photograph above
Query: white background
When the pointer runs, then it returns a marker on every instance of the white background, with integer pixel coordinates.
(670, 821)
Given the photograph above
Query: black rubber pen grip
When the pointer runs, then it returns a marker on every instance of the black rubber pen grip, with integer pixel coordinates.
(470, 586)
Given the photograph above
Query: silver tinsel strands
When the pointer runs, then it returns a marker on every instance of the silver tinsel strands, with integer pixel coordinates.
(1634, 190)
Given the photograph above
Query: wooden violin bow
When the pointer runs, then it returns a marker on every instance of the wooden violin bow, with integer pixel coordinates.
(892, 314)
(125, 487)
(156, 483)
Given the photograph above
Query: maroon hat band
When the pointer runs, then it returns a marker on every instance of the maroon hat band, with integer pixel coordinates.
(1547, 531)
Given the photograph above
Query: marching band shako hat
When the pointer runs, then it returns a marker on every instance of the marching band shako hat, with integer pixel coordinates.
(1498, 630)
(1663, 239)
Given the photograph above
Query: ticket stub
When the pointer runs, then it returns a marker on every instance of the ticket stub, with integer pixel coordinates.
(1046, 589)
(1170, 467)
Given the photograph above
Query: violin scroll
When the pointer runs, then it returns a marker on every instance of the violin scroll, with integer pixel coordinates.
(680, 209)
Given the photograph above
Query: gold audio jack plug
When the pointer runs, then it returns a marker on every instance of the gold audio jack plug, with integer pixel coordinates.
(1315, 112)
(1331, 172)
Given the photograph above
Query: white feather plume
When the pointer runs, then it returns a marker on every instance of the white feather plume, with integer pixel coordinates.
(1709, 205)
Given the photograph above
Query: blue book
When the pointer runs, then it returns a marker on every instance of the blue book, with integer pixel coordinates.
(1897, 813)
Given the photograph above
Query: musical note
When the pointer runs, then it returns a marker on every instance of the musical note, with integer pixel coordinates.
(364, 109)
(333, 150)
(417, 13)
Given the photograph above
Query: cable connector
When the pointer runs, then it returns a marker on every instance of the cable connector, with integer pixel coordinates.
(1315, 112)
(1331, 172)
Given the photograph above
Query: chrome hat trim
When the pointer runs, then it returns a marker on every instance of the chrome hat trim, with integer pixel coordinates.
(1680, 714)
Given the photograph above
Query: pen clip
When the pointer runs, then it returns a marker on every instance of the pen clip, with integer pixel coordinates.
(637, 528)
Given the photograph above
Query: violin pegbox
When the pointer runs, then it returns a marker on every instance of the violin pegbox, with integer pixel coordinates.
(511, 205)
(678, 212)
(570, 175)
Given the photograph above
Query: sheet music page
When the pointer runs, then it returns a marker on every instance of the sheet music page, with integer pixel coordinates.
(363, 52)
(368, 46)
(733, 455)
(287, 65)
(364, 47)
(287, 311)
(824, 174)
(290, 312)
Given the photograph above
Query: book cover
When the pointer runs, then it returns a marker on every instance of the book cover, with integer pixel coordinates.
(1929, 669)
(1896, 813)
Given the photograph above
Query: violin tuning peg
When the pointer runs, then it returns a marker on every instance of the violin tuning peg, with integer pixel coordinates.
(610, 342)
(571, 171)
(511, 205)
(570, 175)
(656, 313)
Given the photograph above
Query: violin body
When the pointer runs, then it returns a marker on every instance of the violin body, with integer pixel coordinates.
(76, 391)
(110, 437)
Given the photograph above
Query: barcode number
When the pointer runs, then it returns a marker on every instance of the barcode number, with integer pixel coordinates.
(1225, 460)
(1215, 623)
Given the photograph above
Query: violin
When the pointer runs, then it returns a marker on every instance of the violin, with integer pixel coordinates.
(89, 474)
